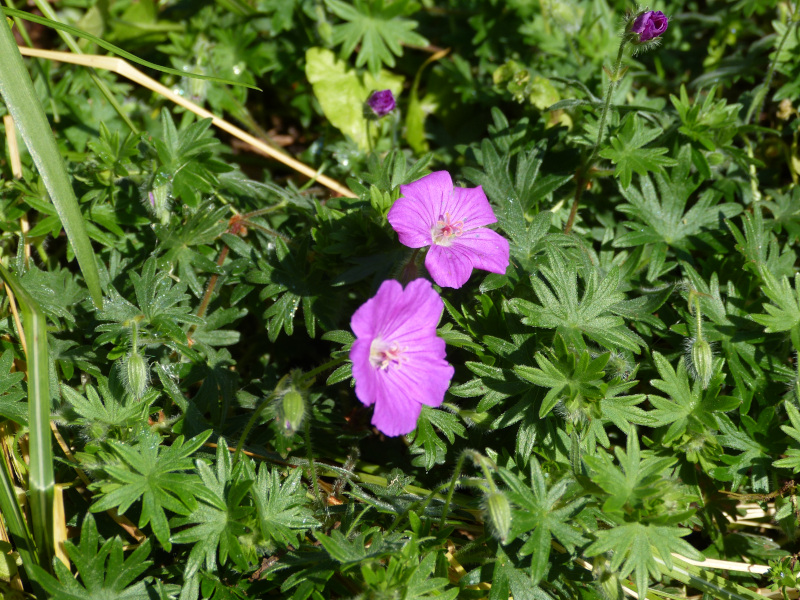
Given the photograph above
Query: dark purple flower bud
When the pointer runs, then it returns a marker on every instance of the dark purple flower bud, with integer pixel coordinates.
(649, 25)
(382, 103)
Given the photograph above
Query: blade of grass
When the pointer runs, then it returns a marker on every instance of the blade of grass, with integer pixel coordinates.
(41, 480)
(17, 91)
(12, 516)
(23, 33)
(119, 66)
(707, 581)
(48, 12)
(115, 49)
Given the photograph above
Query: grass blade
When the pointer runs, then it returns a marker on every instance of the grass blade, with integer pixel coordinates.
(48, 12)
(41, 480)
(12, 12)
(17, 91)
(12, 516)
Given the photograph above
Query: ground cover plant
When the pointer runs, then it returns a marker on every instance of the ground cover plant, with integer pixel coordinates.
(395, 299)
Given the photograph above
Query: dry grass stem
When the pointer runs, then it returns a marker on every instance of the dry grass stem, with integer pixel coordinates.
(121, 67)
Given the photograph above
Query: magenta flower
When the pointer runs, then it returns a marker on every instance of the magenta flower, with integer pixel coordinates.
(650, 24)
(431, 212)
(398, 361)
(381, 103)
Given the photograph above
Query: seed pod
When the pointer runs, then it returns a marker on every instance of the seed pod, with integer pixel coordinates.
(702, 361)
(137, 375)
(292, 412)
(497, 511)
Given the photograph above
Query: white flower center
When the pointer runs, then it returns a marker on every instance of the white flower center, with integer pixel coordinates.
(382, 354)
(446, 230)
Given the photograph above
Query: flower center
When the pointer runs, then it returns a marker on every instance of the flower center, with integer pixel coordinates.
(383, 354)
(446, 230)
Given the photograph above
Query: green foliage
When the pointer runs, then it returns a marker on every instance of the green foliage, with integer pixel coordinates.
(620, 393)
(105, 571)
(628, 154)
(155, 476)
(377, 28)
(591, 314)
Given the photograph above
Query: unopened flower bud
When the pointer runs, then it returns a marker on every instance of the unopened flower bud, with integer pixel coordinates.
(158, 197)
(702, 361)
(381, 103)
(497, 512)
(292, 411)
(648, 25)
(137, 374)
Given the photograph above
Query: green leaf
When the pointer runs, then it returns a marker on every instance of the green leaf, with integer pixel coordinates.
(689, 407)
(633, 546)
(628, 154)
(573, 316)
(155, 475)
(544, 514)
(11, 392)
(428, 443)
(220, 518)
(569, 376)
(783, 314)
(281, 506)
(792, 460)
(760, 247)
(113, 411)
(104, 572)
(375, 26)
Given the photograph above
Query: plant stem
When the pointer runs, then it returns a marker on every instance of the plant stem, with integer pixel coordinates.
(757, 106)
(452, 488)
(699, 318)
(311, 465)
(321, 369)
(251, 423)
(48, 12)
(487, 474)
(707, 581)
(582, 177)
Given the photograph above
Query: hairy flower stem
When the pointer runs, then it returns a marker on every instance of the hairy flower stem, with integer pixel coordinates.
(699, 318)
(418, 506)
(451, 490)
(487, 473)
(757, 106)
(212, 283)
(312, 467)
(410, 271)
(321, 369)
(251, 423)
(582, 176)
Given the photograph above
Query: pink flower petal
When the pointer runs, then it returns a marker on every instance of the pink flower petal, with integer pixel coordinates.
(488, 250)
(417, 313)
(369, 316)
(428, 367)
(407, 367)
(432, 190)
(449, 266)
(411, 219)
(471, 206)
(397, 416)
(364, 373)
(404, 390)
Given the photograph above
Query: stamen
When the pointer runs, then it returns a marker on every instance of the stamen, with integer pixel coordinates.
(382, 355)
(446, 230)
